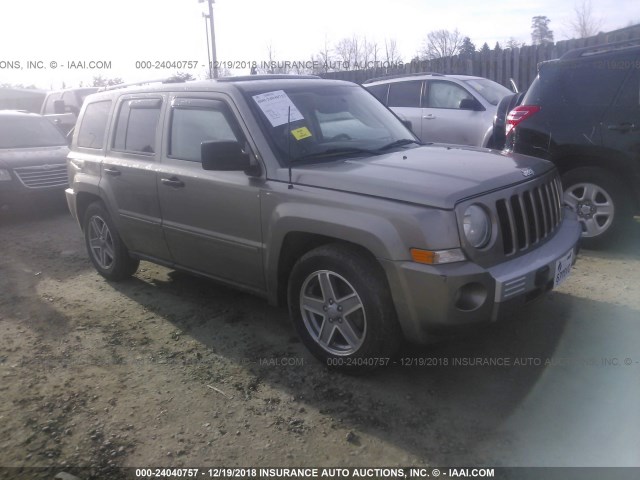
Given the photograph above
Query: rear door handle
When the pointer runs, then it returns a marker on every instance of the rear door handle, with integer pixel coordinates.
(623, 127)
(430, 116)
(114, 172)
(172, 182)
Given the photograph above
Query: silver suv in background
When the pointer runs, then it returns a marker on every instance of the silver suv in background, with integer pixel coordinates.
(456, 109)
(312, 194)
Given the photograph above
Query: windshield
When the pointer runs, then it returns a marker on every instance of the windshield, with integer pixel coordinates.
(326, 122)
(491, 91)
(23, 132)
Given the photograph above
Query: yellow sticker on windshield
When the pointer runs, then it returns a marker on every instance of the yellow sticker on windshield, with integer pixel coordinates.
(300, 133)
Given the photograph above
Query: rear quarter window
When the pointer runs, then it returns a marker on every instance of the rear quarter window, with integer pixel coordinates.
(94, 124)
(630, 94)
(380, 92)
(579, 83)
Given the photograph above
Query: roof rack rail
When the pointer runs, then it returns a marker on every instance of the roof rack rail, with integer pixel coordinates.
(145, 82)
(242, 78)
(401, 75)
(600, 49)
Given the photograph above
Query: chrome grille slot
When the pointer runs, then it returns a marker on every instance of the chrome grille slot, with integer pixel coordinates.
(529, 216)
(43, 176)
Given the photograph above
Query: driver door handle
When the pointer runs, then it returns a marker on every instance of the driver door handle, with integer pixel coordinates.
(172, 182)
(114, 172)
(429, 116)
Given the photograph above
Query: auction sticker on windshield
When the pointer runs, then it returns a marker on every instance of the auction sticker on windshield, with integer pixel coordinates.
(563, 268)
(275, 105)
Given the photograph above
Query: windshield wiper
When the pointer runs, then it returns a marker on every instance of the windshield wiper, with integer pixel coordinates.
(398, 143)
(334, 152)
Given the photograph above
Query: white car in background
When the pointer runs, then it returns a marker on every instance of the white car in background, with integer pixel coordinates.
(457, 109)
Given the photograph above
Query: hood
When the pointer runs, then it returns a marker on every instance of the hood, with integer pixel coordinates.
(436, 175)
(27, 157)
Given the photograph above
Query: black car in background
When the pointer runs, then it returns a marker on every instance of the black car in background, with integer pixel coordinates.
(582, 112)
(33, 162)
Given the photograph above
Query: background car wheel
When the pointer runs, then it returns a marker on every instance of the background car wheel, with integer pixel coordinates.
(342, 309)
(108, 254)
(600, 201)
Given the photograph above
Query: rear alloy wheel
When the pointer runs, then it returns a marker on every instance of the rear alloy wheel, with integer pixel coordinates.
(108, 254)
(342, 309)
(599, 200)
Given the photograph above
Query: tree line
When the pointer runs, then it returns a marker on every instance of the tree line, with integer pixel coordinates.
(359, 53)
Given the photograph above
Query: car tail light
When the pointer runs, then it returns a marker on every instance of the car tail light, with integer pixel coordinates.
(519, 114)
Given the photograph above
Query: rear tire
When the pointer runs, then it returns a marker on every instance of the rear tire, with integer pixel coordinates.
(342, 309)
(601, 201)
(107, 252)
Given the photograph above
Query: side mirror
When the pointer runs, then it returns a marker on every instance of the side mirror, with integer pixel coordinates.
(224, 156)
(408, 124)
(471, 104)
(58, 106)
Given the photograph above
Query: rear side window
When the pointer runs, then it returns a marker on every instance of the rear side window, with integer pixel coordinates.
(94, 125)
(405, 94)
(197, 122)
(380, 92)
(136, 126)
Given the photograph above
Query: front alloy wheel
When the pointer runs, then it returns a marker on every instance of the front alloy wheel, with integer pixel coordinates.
(333, 312)
(342, 309)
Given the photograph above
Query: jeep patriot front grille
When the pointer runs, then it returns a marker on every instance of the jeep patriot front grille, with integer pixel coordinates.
(530, 215)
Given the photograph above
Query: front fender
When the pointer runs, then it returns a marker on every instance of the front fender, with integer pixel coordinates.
(372, 232)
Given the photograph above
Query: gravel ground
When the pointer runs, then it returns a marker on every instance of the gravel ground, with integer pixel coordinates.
(171, 370)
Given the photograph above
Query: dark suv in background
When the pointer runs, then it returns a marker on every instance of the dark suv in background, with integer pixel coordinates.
(583, 113)
(33, 160)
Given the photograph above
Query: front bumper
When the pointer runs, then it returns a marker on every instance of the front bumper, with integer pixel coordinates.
(429, 298)
(15, 195)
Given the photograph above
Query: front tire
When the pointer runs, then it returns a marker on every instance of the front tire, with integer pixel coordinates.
(342, 309)
(601, 202)
(107, 252)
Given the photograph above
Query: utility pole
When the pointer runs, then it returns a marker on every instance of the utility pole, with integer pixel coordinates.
(214, 57)
(206, 31)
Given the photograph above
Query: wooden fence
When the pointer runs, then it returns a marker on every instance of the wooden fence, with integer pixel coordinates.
(521, 64)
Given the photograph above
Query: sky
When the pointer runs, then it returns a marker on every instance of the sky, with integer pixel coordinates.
(61, 38)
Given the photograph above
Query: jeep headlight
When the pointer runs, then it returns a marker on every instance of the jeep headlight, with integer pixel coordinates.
(477, 226)
(4, 175)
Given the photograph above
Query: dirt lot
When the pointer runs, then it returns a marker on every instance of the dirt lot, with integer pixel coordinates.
(172, 370)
